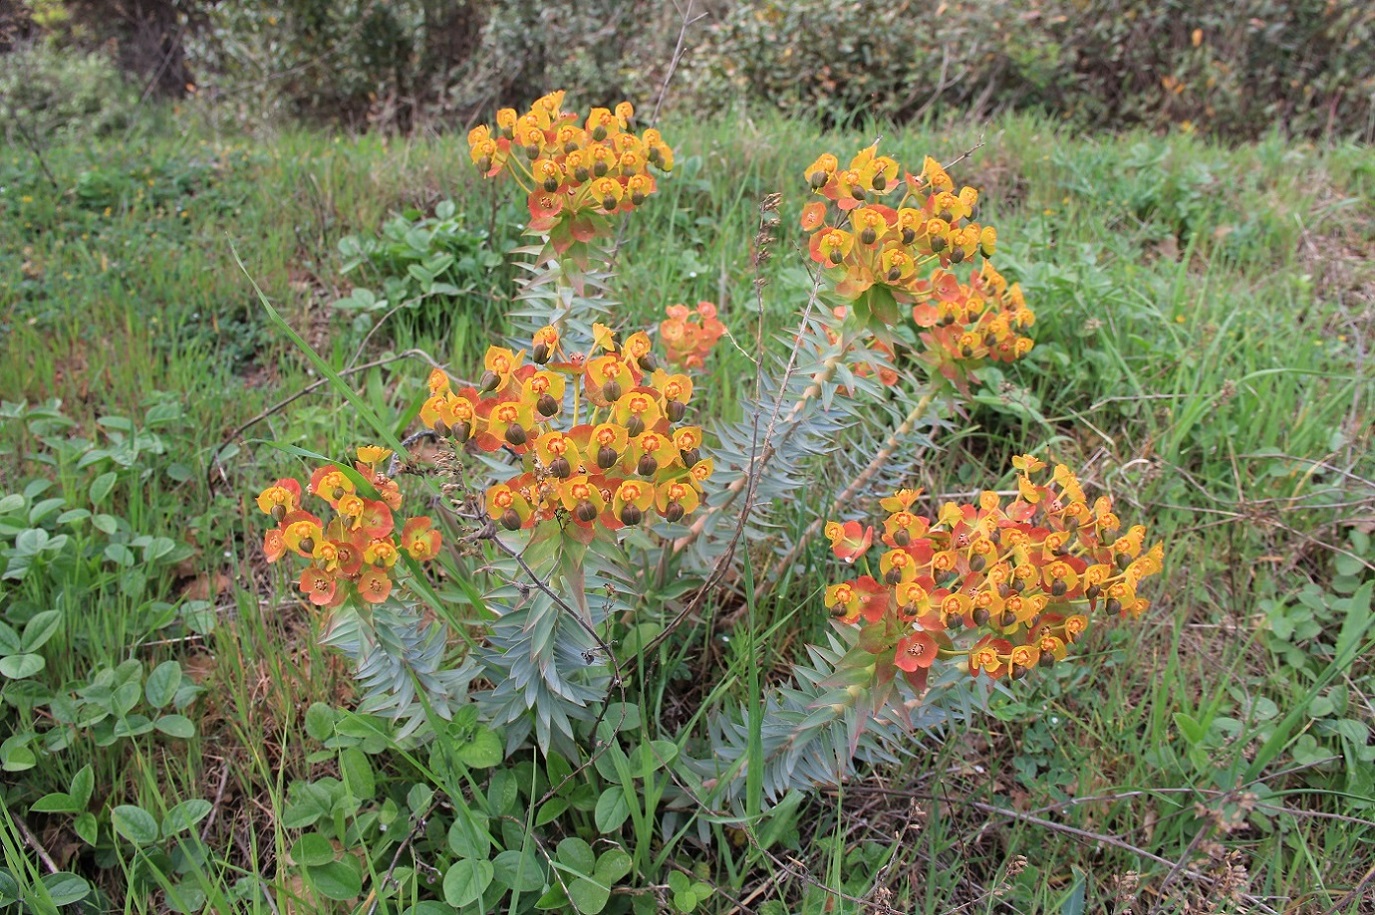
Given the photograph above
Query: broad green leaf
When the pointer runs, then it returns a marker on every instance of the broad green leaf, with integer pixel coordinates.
(588, 896)
(613, 865)
(357, 774)
(612, 810)
(519, 871)
(64, 888)
(419, 797)
(178, 726)
(482, 750)
(162, 684)
(135, 824)
(1191, 728)
(184, 816)
(312, 850)
(577, 856)
(42, 627)
(15, 755)
(83, 783)
(551, 810)
(466, 880)
(338, 880)
(102, 485)
(57, 802)
(86, 828)
(19, 666)
(468, 835)
(10, 643)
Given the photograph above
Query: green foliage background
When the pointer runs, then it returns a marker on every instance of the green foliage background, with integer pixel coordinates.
(1237, 69)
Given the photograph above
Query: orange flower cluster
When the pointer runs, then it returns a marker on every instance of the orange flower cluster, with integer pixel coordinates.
(965, 323)
(687, 336)
(875, 234)
(575, 175)
(355, 551)
(1024, 576)
(615, 457)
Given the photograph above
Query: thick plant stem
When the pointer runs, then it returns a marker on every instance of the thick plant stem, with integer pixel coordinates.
(856, 486)
(770, 445)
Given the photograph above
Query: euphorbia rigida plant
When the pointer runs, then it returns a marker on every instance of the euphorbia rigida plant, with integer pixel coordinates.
(575, 486)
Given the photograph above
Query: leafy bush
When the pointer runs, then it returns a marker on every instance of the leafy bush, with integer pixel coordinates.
(434, 272)
(1233, 68)
(44, 91)
(403, 63)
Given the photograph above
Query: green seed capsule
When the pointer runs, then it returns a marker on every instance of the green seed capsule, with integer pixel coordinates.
(307, 544)
(462, 432)
(611, 390)
(278, 513)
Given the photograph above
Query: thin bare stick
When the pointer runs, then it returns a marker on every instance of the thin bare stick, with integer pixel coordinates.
(687, 20)
(219, 800)
(416, 826)
(1115, 842)
(32, 841)
(313, 386)
(890, 446)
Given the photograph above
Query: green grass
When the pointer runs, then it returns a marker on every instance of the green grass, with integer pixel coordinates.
(1204, 332)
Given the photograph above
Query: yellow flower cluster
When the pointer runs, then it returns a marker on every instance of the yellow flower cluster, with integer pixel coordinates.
(598, 438)
(574, 172)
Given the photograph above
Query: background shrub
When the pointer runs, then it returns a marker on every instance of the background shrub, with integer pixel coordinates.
(1235, 69)
(1307, 66)
(44, 91)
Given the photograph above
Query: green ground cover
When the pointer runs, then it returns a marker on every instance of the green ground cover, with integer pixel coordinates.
(1205, 322)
